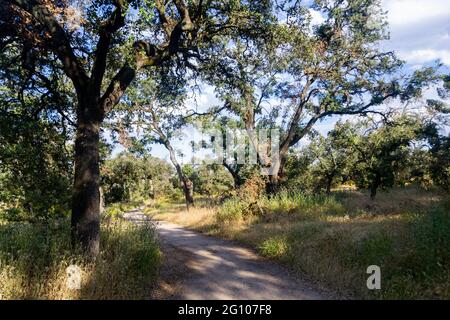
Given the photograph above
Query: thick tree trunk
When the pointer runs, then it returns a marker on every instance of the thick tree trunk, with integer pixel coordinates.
(329, 183)
(188, 187)
(272, 184)
(373, 191)
(237, 180)
(86, 195)
(374, 187)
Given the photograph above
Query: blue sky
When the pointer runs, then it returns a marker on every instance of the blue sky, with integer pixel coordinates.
(420, 30)
(419, 34)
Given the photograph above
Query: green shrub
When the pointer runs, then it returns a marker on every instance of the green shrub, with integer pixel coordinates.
(34, 257)
(231, 210)
(274, 247)
(317, 235)
(129, 178)
(305, 206)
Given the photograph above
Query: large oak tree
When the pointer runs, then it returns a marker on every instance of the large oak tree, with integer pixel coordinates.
(311, 70)
(101, 45)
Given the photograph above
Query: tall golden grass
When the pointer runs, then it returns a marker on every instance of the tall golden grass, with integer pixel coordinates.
(333, 239)
(34, 258)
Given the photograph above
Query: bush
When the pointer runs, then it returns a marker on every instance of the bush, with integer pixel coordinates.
(232, 210)
(305, 206)
(130, 178)
(274, 247)
(35, 166)
(245, 203)
(34, 258)
(326, 239)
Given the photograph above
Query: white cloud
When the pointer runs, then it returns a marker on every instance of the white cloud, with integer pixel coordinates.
(204, 100)
(426, 55)
(419, 30)
(408, 12)
(316, 17)
(445, 37)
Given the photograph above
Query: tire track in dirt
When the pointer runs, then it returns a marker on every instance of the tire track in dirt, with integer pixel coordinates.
(201, 267)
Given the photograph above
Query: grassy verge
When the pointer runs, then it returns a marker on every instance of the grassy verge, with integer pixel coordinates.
(333, 239)
(34, 258)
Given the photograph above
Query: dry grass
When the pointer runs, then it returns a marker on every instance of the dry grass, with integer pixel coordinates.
(200, 217)
(390, 202)
(334, 239)
(34, 258)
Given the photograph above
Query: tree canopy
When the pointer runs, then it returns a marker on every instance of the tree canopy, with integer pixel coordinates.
(72, 69)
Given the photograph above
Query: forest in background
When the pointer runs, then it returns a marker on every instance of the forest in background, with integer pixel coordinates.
(78, 79)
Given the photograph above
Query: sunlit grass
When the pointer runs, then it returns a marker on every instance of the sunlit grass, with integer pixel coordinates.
(333, 239)
(34, 258)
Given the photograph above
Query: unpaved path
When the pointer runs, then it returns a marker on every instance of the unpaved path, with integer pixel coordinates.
(218, 269)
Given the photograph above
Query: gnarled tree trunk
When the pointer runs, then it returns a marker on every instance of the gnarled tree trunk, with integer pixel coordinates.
(86, 195)
(275, 178)
(188, 187)
(272, 184)
(238, 181)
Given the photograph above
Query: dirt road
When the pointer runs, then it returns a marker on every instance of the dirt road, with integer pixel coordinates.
(218, 269)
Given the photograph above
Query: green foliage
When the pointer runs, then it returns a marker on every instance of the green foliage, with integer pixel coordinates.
(381, 151)
(33, 259)
(36, 171)
(395, 149)
(298, 175)
(368, 153)
(274, 247)
(300, 205)
(232, 210)
(330, 157)
(245, 203)
(322, 237)
(439, 155)
(127, 178)
(211, 180)
(35, 136)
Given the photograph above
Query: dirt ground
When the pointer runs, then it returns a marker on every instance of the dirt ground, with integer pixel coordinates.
(196, 266)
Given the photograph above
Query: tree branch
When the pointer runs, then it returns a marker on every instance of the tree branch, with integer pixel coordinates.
(201, 114)
(293, 126)
(116, 89)
(114, 23)
(349, 111)
(58, 40)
